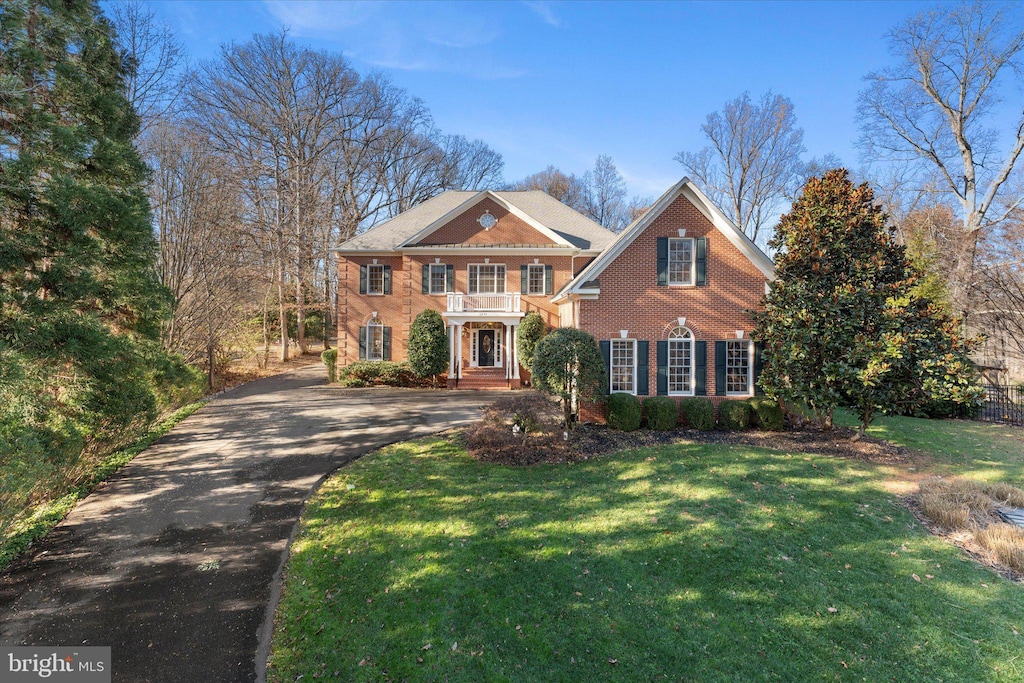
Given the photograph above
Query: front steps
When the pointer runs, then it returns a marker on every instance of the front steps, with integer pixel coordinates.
(491, 379)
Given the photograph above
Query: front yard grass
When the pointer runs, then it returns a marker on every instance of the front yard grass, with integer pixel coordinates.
(683, 562)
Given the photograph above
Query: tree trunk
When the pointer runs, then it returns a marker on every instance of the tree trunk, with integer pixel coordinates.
(283, 312)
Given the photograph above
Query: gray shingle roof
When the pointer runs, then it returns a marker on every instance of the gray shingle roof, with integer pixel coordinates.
(573, 226)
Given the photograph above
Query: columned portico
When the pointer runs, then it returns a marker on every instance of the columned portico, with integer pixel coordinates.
(491, 339)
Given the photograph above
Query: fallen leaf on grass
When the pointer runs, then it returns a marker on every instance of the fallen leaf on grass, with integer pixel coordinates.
(427, 646)
(832, 610)
(916, 578)
(455, 646)
(612, 661)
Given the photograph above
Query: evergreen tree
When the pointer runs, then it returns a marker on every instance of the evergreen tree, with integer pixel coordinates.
(428, 344)
(80, 303)
(840, 325)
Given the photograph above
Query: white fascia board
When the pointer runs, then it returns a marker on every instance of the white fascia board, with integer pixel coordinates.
(484, 250)
(576, 296)
(473, 201)
(365, 252)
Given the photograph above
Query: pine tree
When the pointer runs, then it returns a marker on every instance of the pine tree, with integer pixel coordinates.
(840, 325)
(80, 303)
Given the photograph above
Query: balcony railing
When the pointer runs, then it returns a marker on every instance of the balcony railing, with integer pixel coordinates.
(470, 303)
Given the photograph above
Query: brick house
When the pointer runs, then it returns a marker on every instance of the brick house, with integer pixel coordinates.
(667, 299)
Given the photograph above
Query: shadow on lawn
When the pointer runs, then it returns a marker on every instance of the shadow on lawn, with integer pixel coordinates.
(706, 562)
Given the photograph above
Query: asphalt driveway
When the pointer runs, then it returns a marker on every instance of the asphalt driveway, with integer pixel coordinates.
(175, 561)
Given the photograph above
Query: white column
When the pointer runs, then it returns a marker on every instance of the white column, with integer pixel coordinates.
(515, 351)
(451, 350)
(458, 347)
(508, 350)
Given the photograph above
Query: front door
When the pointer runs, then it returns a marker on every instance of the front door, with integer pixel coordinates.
(486, 354)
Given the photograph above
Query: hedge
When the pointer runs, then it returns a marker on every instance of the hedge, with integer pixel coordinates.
(661, 412)
(698, 413)
(623, 412)
(734, 414)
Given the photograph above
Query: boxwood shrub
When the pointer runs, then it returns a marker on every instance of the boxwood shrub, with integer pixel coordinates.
(661, 412)
(698, 413)
(385, 372)
(623, 412)
(767, 414)
(734, 414)
(330, 359)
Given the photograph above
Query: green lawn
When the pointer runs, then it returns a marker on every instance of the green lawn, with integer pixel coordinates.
(687, 562)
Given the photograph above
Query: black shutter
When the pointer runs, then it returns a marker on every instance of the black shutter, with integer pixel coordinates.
(426, 279)
(720, 353)
(362, 343)
(662, 260)
(387, 343)
(362, 279)
(524, 279)
(700, 368)
(758, 364)
(702, 261)
(387, 279)
(449, 276)
(662, 351)
(549, 279)
(606, 352)
(643, 352)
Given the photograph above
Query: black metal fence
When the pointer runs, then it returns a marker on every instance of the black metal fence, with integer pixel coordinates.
(1003, 404)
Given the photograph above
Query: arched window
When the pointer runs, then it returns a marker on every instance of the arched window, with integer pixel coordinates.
(680, 362)
(375, 339)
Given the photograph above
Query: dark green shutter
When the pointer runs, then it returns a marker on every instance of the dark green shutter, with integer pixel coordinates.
(702, 261)
(643, 353)
(758, 364)
(449, 276)
(524, 279)
(606, 353)
(362, 343)
(387, 343)
(700, 368)
(662, 351)
(662, 260)
(549, 279)
(362, 279)
(426, 279)
(720, 354)
(387, 279)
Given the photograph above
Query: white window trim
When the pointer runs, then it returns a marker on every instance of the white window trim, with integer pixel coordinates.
(693, 262)
(369, 338)
(543, 279)
(470, 266)
(750, 367)
(370, 267)
(692, 341)
(430, 279)
(611, 361)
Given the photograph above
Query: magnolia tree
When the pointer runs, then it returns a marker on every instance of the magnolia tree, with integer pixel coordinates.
(842, 326)
(568, 364)
(428, 344)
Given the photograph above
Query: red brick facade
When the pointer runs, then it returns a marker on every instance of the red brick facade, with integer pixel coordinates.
(466, 229)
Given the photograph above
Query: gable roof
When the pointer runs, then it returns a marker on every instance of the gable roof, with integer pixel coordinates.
(584, 281)
(564, 226)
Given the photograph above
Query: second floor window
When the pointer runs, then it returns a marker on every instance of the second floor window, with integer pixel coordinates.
(680, 261)
(535, 280)
(486, 278)
(374, 279)
(438, 278)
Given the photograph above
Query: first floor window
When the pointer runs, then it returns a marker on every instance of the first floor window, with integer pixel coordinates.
(374, 279)
(486, 278)
(680, 261)
(438, 278)
(680, 361)
(737, 367)
(375, 340)
(623, 366)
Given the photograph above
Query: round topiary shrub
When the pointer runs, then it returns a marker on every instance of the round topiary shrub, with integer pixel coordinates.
(698, 413)
(734, 414)
(767, 414)
(661, 412)
(623, 412)
(330, 359)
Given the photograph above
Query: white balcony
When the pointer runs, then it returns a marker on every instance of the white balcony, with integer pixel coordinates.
(484, 303)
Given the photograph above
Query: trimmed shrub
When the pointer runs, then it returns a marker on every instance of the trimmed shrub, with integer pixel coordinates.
(382, 372)
(330, 359)
(428, 344)
(734, 414)
(623, 412)
(661, 412)
(698, 413)
(767, 414)
(531, 330)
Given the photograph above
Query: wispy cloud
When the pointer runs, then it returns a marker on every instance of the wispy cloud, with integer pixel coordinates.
(315, 17)
(544, 11)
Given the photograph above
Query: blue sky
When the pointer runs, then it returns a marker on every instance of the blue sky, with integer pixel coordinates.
(559, 83)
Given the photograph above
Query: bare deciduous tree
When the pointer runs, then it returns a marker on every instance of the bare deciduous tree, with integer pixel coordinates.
(752, 161)
(607, 195)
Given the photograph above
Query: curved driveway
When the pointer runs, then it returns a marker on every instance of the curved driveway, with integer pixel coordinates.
(175, 561)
